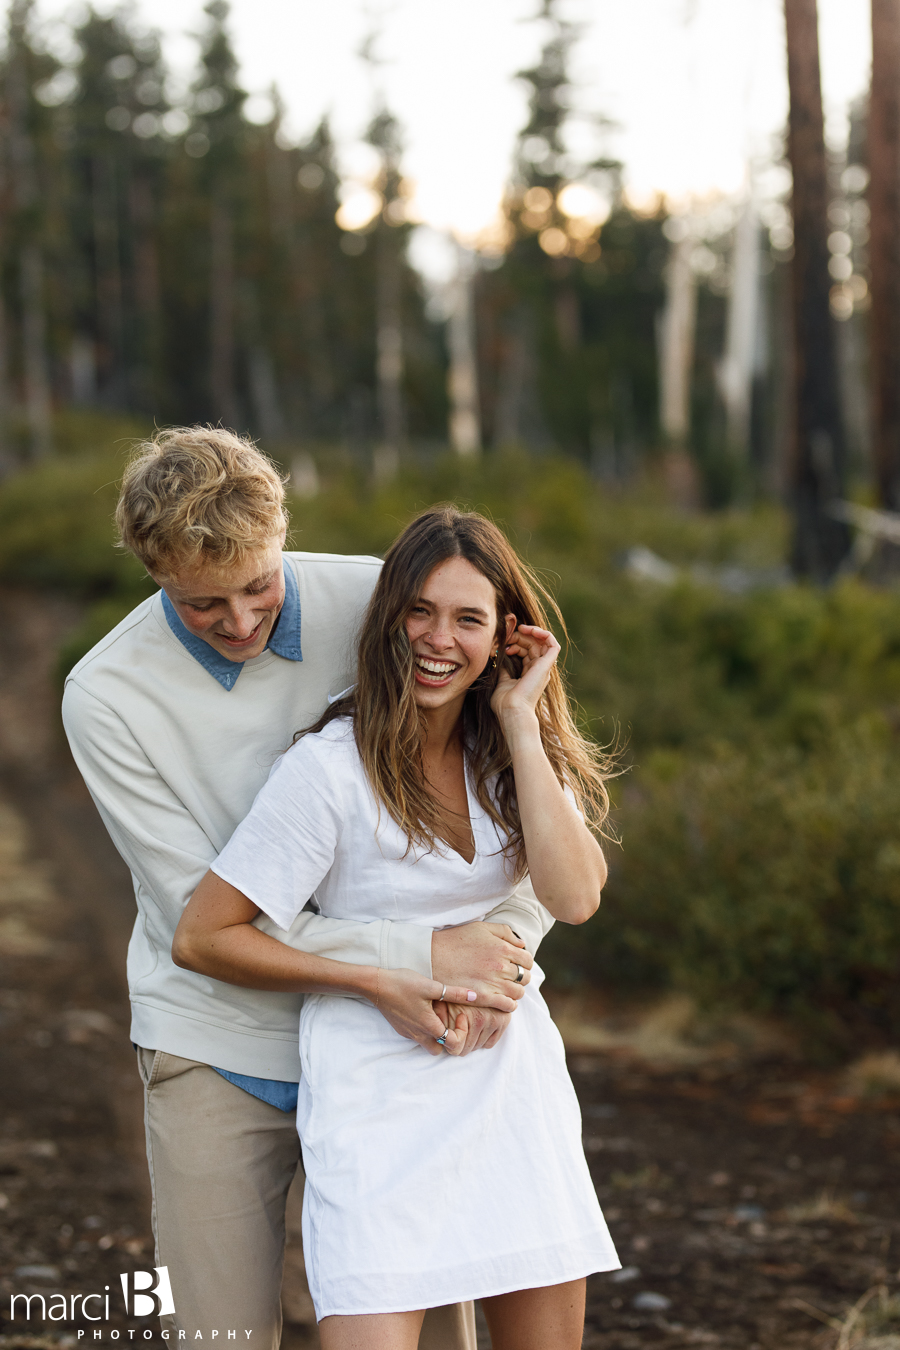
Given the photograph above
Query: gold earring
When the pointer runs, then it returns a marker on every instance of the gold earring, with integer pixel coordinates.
(494, 660)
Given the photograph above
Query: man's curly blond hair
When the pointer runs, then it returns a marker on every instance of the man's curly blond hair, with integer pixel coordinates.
(198, 495)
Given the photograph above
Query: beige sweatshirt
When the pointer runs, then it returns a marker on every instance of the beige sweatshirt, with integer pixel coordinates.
(173, 761)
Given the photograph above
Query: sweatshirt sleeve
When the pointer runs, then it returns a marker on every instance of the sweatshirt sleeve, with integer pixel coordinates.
(168, 852)
(525, 915)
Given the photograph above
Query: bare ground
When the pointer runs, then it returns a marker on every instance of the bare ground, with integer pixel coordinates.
(752, 1197)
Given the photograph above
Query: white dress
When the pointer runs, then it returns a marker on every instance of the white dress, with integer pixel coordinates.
(428, 1180)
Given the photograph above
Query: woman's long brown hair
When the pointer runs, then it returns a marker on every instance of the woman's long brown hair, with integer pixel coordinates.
(387, 723)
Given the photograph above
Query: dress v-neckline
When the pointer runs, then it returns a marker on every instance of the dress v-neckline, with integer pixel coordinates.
(471, 805)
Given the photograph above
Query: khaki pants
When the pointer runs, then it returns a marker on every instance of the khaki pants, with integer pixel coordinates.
(221, 1163)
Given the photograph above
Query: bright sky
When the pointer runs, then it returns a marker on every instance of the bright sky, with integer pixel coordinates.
(694, 86)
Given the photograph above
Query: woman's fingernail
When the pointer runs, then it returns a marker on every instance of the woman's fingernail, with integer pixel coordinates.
(471, 996)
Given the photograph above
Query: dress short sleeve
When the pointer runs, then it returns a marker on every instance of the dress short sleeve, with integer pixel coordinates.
(280, 852)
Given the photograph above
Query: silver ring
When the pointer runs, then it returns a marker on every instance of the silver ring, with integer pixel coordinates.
(442, 1040)
(443, 992)
(521, 975)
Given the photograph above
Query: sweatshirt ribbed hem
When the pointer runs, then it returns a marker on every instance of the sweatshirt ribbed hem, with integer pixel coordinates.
(239, 1050)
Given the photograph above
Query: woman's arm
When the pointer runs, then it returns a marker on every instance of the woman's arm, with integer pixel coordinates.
(216, 937)
(565, 862)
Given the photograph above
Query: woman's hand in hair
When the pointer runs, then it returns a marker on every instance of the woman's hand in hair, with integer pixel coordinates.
(515, 700)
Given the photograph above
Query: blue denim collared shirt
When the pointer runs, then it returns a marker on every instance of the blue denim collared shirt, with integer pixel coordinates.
(284, 641)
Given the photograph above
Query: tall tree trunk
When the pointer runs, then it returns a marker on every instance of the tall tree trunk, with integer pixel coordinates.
(314, 400)
(109, 281)
(6, 456)
(34, 344)
(145, 288)
(264, 395)
(392, 413)
(462, 380)
(816, 470)
(884, 247)
(30, 259)
(517, 417)
(221, 314)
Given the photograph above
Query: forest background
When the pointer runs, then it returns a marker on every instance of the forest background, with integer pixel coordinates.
(170, 264)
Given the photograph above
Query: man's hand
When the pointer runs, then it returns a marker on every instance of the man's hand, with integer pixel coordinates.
(478, 1028)
(407, 1001)
(484, 957)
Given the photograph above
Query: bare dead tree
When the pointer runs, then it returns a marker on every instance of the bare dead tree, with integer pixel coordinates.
(816, 468)
(884, 247)
(677, 331)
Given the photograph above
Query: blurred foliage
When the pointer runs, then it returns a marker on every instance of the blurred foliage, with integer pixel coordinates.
(187, 263)
(567, 320)
(760, 858)
(56, 516)
(188, 258)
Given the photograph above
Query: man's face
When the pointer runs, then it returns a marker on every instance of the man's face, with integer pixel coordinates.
(232, 608)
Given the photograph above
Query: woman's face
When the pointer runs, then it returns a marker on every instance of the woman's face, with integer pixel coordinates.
(452, 628)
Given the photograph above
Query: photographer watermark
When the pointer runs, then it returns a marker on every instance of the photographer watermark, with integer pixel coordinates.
(145, 1293)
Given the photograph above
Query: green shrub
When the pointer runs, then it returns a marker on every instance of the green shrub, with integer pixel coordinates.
(760, 858)
(770, 882)
(56, 527)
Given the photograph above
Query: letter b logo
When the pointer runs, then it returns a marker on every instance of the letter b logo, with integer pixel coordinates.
(148, 1293)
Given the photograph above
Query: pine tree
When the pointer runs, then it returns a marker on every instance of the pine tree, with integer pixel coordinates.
(384, 134)
(817, 467)
(217, 142)
(117, 170)
(188, 264)
(566, 324)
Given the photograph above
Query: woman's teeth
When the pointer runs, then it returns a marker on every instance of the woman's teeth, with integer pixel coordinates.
(435, 670)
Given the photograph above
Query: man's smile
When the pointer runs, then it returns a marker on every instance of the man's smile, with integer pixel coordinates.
(238, 643)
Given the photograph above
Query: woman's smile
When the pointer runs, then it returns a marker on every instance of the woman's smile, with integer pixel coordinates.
(434, 673)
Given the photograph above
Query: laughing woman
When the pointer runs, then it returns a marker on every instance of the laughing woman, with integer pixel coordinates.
(450, 770)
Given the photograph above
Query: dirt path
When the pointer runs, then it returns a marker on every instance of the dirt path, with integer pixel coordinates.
(74, 1206)
(752, 1200)
(752, 1204)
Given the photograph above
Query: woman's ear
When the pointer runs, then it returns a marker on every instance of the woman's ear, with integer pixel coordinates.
(512, 624)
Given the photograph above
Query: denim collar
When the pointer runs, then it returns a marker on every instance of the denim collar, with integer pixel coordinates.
(284, 641)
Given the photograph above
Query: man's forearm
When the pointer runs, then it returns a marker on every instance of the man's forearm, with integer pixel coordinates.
(525, 915)
(389, 945)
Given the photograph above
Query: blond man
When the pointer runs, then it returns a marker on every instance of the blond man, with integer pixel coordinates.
(174, 720)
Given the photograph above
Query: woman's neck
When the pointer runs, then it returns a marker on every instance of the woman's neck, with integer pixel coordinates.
(443, 729)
